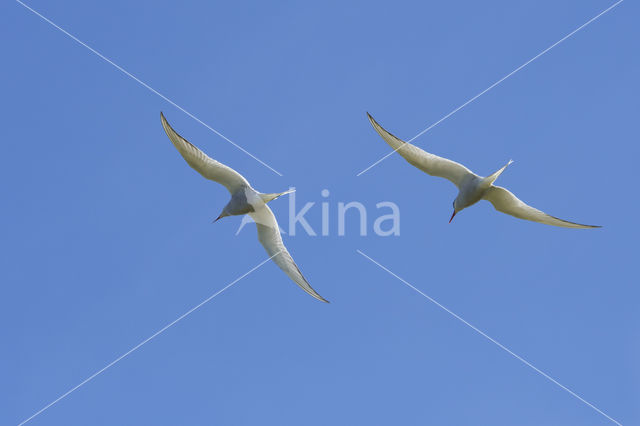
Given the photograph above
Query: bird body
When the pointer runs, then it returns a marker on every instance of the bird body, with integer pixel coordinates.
(244, 200)
(471, 187)
(471, 190)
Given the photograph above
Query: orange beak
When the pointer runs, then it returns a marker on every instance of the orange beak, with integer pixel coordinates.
(452, 216)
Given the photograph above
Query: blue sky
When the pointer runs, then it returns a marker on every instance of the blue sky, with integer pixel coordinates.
(107, 234)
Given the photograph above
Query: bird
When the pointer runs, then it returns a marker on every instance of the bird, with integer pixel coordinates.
(244, 200)
(471, 187)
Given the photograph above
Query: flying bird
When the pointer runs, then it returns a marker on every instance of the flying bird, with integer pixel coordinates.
(472, 188)
(244, 200)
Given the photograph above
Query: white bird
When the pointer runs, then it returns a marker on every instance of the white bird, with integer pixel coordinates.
(244, 200)
(472, 188)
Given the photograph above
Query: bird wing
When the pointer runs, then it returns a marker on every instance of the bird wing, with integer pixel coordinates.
(504, 201)
(202, 163)
(269, 236)
(428, 163)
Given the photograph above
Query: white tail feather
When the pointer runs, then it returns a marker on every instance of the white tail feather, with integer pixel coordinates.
(492, 178)
(270, 197)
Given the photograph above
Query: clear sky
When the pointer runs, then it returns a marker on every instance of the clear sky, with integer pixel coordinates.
(107, 234)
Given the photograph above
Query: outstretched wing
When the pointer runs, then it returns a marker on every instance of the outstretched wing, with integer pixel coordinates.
(269, 236)
(428, 163)
(203, 164)
(504, 201)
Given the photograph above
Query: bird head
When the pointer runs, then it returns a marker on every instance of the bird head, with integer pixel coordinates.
(455, 210)
(223, 214)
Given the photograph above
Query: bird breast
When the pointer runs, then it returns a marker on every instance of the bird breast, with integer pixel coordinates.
(243, 201)
(471, 191)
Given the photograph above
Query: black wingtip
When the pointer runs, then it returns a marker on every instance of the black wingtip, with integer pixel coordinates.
(373, 121)
(579, 224)
(320, 298)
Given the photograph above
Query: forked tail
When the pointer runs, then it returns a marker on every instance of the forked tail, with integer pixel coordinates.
(270, 197)
(488, 181)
